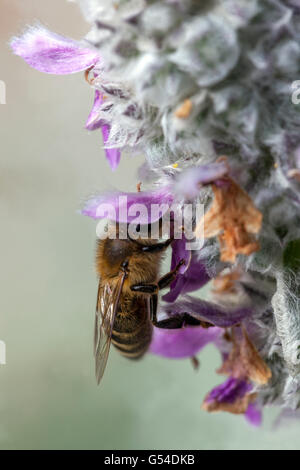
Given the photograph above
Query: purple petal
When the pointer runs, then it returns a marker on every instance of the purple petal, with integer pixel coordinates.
(191, 278)
(183, 342)
(147, 206)
(207, 311)
(176, 288)
(229, 391)
(196, 276)
(253, 414)
(191, 180)
(51, 53)
(93, 122)
(179, 252)
(113, 155)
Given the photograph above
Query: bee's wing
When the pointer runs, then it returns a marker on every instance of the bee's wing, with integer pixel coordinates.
(107, 304)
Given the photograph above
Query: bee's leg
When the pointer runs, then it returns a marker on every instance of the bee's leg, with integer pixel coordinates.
(163, 282)
(168, 278)
(169, 323)
(175, 322)
(152, 301)
(172, 323)
(145, 288)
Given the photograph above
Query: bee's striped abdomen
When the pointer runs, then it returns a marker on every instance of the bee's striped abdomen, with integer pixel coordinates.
(132, 333)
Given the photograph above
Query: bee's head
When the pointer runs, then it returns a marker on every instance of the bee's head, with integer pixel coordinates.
(115, 254)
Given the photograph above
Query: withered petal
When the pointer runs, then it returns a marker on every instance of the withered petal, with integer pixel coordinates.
(257, 369)
(234, 218)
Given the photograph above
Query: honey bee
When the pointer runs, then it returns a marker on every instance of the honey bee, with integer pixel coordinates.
(127, 296)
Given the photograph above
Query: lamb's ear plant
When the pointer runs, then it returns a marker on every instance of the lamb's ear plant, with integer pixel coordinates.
(185, 83)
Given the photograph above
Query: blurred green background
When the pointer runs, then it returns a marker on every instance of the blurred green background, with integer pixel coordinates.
(48, 395)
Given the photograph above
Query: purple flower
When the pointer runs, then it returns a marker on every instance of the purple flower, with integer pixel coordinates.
(234, 396)
(164, 196)
(207, 312)
(189, 340)
(148, 206)
(183, 342)
(229, 391)
(113, 155)
(93, 122)
(51, 53)
(253, 414)
(191, 180)
(191, 277)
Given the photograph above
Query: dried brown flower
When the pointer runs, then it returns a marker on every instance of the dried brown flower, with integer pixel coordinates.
(244, 362)
(234, 219)
(238, 407)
